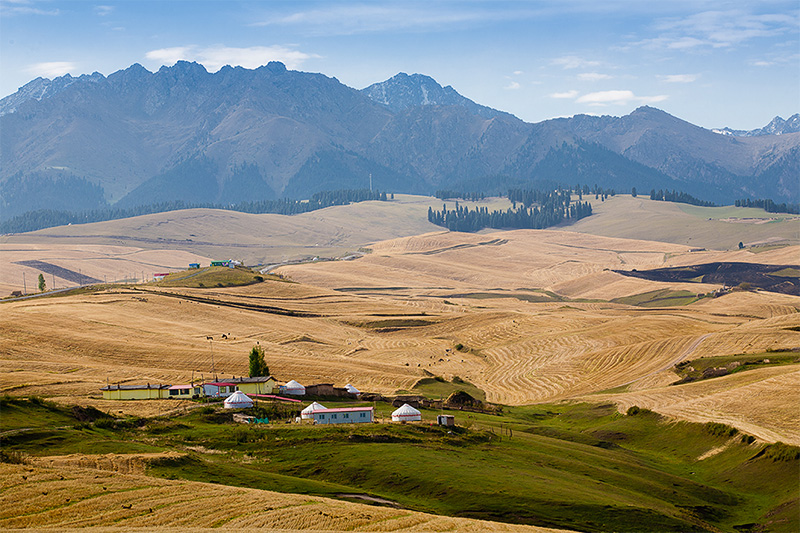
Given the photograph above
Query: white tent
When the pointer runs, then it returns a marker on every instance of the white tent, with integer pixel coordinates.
(351, 389)
(238, 400)
(295, 388)
(308, 412)
(406, 413)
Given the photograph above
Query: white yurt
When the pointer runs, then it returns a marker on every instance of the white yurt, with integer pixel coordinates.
(308, 412)
(406, 413)
(351, 389)
(238, 400)
(295, 388)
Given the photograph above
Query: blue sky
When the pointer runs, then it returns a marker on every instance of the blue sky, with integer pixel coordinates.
(721, 63)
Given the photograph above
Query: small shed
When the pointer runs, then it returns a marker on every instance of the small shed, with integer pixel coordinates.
(237, 400)
(406, 413)
(446, 420)
(294, 388)
(351, 389)
(160, 277)
(308, 412)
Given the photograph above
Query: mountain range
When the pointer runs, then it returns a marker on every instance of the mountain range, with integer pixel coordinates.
(137, 137)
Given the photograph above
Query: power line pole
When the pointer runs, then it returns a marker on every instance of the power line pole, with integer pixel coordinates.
(24, 285)
(370, 182)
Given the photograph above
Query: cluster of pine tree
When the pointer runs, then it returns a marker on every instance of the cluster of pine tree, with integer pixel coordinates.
(769, 206)
(680, 197)
(47, 218)
(447, 194)
(554, 207)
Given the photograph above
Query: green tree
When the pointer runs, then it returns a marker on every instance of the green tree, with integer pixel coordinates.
(42, 285)
(258, 367)
(741, 245)
(633, 192)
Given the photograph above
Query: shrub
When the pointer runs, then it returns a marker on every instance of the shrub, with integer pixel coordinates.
(633, 410)
(720, 430)
(259, 279)
(13, 457)
(780, 452)
(748, 439)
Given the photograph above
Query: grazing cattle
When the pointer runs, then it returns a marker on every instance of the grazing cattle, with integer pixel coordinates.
(224, 336)
(209, 338)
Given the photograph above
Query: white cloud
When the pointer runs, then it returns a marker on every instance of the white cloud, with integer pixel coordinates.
(517, 72)
(354, 18)
(679, 78)
(216, 57)
(103, 10)
(52, 69)
(513, 85)
(170, 56)
(721, 29)
(570, 62)
(566, 95)
(617, 97)
(24, 7)
(593, 76)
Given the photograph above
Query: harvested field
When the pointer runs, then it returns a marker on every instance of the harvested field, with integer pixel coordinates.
(531, 309)
(37, 497)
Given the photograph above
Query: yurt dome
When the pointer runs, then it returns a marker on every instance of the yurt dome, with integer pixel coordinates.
(351, 389)
(295, 388)
(308, 412)
(238, 400)
(406, 413)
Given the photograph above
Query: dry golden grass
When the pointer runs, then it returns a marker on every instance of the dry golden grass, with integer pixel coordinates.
(518, 351)
(34, 497)
(104, 262)
(715, 228)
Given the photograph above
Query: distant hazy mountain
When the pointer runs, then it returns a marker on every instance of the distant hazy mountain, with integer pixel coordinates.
(402, 92)
(182, 133)
(777, 126)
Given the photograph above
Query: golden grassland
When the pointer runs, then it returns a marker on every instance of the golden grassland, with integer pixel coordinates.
(165, 241)
(36, 497)
(530, 308)
(715, 228)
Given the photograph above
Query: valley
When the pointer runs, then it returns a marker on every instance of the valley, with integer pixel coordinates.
(536, 322)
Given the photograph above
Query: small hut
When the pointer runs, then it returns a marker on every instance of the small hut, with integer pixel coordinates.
(294, 388)
(308, 412)
(406, 413)
(352, 390)
(237, 400)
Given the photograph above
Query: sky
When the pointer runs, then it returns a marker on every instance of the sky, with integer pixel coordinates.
(715, 64)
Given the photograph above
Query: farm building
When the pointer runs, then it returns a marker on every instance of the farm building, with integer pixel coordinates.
(256, 385)
(194, 265)
(237, 400)
(135, 392)
(185, 391)
(294, 388)
(220, 263)
(344, 415)
(406, 413)
(160, 277)
(327, 389)
(308, 412)
(446, 420)
(352, 390)
(219, 389)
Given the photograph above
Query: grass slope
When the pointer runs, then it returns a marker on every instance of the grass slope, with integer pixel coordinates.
(581, 466)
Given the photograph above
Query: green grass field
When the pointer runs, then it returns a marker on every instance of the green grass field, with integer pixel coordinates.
(711, 367)
(439, 388)
(212, 277)
(576, 466)
(659, 298)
